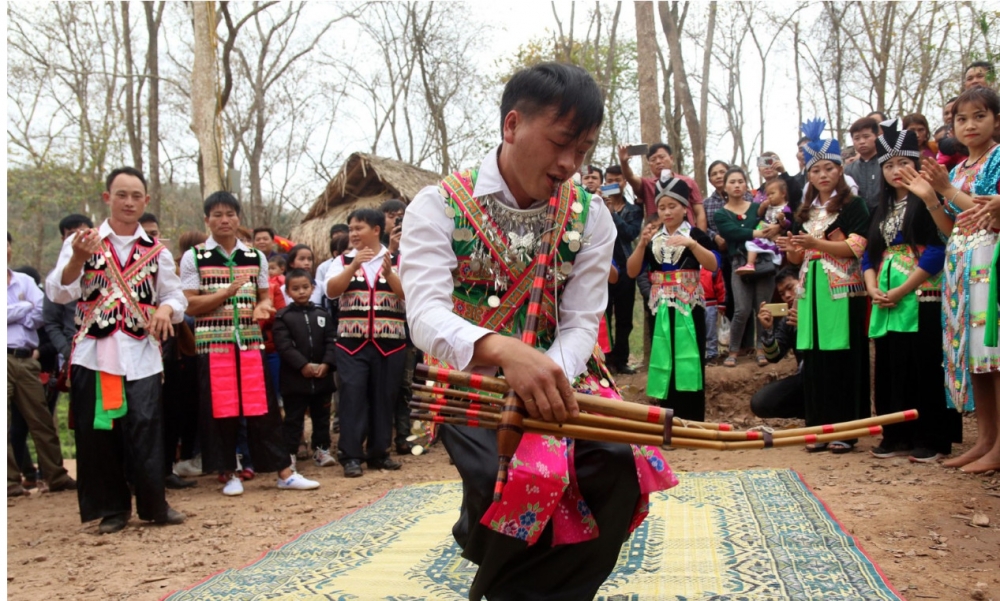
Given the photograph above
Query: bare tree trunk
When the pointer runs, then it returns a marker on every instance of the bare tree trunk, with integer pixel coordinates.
(701, 176)
(204, 105)
(649, 109)
(133, 118)
(798, 76)
(153, 102)
(672, 31)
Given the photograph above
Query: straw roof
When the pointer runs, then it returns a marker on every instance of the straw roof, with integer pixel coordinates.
(365, 180)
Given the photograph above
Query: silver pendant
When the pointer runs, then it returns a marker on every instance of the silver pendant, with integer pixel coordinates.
(449, 212)
(576, 207)
(493, 301)
(574, 246)
(566, 268)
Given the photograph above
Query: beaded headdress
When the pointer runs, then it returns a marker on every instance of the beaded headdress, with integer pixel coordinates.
(674, 188)
(896, 142)
(816, 149)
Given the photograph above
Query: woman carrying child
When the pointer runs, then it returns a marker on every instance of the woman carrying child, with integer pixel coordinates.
(902, 267)
(674, 253)
(828, 240)
(971, 355)
(737, 222)
(773, 209)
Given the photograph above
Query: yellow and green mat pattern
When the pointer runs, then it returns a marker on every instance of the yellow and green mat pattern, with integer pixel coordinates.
(737, 535)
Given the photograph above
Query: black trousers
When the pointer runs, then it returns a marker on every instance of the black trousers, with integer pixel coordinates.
(510, 570)
(782, 398)
(295, 413)
(107, 461)
(401, 418)
(370, 388)
(180, 409)
(219, 435)
(621, 303)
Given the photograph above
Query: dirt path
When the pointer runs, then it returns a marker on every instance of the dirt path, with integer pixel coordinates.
(913, 520)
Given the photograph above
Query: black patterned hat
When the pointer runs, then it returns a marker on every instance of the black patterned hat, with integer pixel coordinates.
(896, 142)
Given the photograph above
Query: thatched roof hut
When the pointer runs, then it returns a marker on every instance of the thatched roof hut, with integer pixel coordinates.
(365, 180)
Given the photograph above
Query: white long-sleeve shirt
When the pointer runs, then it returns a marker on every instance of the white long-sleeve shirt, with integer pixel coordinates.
(427, 261)
(120, 354)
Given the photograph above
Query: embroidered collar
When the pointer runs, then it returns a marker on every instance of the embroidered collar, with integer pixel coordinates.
(665, 253)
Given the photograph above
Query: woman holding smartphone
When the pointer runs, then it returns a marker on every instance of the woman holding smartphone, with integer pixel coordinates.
(771, 168)
(828, 240)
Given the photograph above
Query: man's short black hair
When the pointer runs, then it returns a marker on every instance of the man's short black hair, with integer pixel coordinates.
(73, 221)
(784, 274)
(270, 231)
(988, 66)
(148, 218)
(654, 147)
(373, 217)
(339, 228)
(124, 171)
(595, 169)
(296, 273)
(567, 88)
(614, 169)
(392, 205)
(881, 118)
(862, 124)
(223, 198)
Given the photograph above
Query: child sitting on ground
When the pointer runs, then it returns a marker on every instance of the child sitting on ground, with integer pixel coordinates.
(305, 338)
(774, 209)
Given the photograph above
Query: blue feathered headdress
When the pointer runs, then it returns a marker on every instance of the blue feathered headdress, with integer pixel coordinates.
(817, 149)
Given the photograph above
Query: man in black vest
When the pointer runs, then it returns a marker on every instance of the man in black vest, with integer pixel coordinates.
(371, 343)
(129, 297)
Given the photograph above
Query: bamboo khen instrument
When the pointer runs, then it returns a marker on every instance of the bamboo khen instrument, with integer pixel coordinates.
(510, 429)
(633, 423)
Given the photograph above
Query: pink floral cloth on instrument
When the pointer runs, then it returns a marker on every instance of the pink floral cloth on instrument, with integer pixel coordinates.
(542, 482)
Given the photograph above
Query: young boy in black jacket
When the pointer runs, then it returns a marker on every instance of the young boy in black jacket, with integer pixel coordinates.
(305, 336)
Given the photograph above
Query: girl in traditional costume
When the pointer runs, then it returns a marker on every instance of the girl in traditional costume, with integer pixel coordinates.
(828, 240)
(674, 253)
(902, 267)
(971, 356)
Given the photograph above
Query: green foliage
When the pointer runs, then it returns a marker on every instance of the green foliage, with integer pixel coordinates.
(37, 198)
(67, 438)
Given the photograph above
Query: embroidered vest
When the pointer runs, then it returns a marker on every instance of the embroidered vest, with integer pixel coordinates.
(99, 313)
(371, 313)
(902, 259)
(232, 322)
(495, 264)
(680, 289)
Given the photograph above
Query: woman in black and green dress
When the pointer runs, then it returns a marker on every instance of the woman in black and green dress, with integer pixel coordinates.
(674, 253)
(828, 239)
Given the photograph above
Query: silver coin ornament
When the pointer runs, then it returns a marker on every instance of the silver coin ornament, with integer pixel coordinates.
(493, 301)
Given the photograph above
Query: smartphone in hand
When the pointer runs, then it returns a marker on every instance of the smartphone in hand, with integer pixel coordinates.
(777, 309)
(637, 149)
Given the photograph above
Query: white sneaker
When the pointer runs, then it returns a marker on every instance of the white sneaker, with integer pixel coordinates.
(323, 458)
(233, 488)
(189, 467)
(297, 482)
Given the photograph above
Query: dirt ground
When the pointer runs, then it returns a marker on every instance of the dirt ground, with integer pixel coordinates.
(914, 521)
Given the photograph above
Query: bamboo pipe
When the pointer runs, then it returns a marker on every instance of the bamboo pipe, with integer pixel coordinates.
(612, 423)
(597, 434)
(587, 402)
